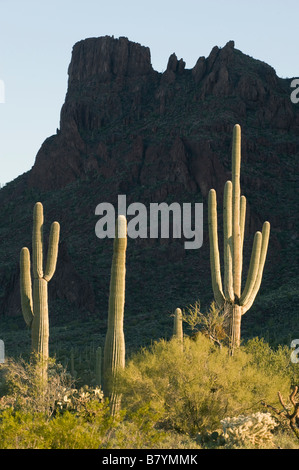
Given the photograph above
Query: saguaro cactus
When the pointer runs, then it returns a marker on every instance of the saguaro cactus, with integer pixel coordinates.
(234, 213)
(35, 305)
(114, 349)
(2, 351)
(178, 325)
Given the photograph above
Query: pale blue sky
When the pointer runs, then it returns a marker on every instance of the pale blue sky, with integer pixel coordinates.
(37, 36)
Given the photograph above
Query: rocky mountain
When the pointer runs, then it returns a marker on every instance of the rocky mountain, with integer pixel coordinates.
(126, 129)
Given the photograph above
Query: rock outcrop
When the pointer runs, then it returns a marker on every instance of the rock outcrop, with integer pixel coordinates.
(115, 99)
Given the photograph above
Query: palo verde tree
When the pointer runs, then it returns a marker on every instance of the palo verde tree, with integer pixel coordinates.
(230, 295)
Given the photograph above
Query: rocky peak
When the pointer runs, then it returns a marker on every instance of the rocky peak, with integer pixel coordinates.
(106, 57)
(114, 96)
(174, 67)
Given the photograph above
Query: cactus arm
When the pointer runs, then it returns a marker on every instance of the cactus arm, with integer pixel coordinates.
(253, 268)
(236, 233)
(242, 218)
(37, 241)
(262, 260)
(227, 238)
(242, 228)
(214, 250)
(52, 251)
(26, 286)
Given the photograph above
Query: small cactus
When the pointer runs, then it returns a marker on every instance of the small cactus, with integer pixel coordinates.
(178, 325)
(255, 429)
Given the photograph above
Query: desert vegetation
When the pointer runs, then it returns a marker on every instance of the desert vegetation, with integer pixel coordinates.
(197, 397)
(202, 388)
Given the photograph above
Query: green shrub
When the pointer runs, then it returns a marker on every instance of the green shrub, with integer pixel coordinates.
(274, 361)
(58, 417)
(195, 389)
(21, 430)
(21, 385)
(169, 396)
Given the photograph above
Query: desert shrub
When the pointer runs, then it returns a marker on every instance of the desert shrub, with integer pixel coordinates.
(63, 417)
(22, 387)
(56, 417)
(169, 395)
(141, 430)
(24, 430)
(195, 389)
(213, 323)
(83, 430)
(136, 430)
(285, 440)
(21, 430)
(276, 361)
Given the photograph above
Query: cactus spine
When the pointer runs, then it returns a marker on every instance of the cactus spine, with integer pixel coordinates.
(114, 349)
(234, 213)
(35, 304)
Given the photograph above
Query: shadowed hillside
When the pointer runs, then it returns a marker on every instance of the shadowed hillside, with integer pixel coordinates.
(155, 137)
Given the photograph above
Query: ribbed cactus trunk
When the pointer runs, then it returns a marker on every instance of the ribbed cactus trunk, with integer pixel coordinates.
(234, 213)
(114, 350)
(178, 325)
(178, 332)
(235, 315)
(40, 323)
(35, 304)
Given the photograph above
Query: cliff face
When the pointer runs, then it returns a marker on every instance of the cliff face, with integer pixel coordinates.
(107, 79)
(117, 104)
(127, 129)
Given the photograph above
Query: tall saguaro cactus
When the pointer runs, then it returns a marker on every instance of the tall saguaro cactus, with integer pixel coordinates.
(114, 350)
(232, 297)
(35, 304)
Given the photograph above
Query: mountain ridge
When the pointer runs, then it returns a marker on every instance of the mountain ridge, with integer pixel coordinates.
(127, 129)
